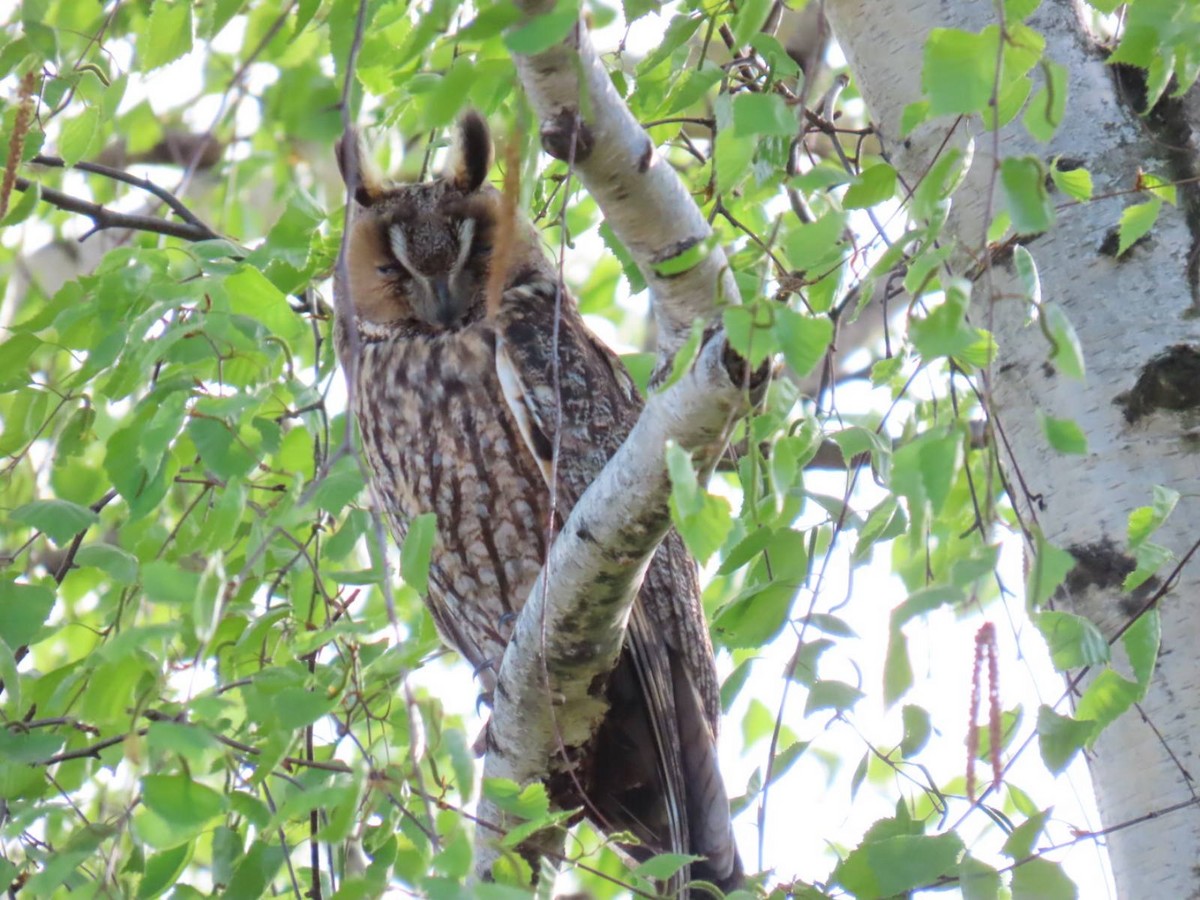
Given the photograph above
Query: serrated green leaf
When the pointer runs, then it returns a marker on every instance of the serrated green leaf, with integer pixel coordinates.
(803, 339)
(1045, 111)
(168, 34)
(1136, 222)
(1021, 841)
(731, 158)
(1024, 185)
(762, 114)
(1041, 879)
(179, 800)
(417, 551)
(663, 865)
(23, 609)
(1072, 640)
(917, 729)
(1064, 435)
(1060, 738)
(837, 695)
(897, 864)
(874, 185)
(1142, 641)
(1075, 182)
(1107, 697)
(121, 565)
(1048, 570)
(60, 520)
(959, 70)
(1066, 353)
(78, 136)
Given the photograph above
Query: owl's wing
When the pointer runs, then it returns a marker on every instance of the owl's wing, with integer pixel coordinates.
(667, 788)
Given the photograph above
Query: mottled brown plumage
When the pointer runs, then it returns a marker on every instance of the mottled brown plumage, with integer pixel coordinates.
(460, 414)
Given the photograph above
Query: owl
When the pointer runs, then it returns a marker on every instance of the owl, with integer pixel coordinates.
(461, 412)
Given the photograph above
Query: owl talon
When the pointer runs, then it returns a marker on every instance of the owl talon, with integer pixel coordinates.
(484, 699)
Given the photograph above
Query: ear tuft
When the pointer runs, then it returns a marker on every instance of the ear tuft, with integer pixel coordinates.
(358, 173)
(472, 156)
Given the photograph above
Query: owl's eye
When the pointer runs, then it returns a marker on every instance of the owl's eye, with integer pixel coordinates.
(391, 270)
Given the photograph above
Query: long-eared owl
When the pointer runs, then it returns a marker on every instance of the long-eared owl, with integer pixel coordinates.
(461, 412)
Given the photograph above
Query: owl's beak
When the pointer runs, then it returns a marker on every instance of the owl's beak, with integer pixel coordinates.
(447, 308)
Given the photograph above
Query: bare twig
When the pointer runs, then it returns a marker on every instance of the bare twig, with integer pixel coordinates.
(103, 218)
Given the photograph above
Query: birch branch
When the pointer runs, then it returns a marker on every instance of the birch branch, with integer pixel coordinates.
(573, 625)
(641, 196)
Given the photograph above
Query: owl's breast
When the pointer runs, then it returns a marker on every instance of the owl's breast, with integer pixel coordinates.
(440, 438)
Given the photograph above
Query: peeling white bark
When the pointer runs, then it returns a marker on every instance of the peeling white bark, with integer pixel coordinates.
(569, 634)
(1126, 312)
(641, 196)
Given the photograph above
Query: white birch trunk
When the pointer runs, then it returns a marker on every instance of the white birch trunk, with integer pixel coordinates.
(1127, 312)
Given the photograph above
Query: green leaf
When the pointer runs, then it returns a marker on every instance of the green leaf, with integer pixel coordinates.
(925, 468)
(897, 864)
(163, 870)
(836, 695)
(1024, 184)
(23, 208)
(78, 136)
(748, 21)
(417, 551)
(121, 565)
(1136, 222)
(703, 520)
(977, 880)
(60, 520)
(1107, 697)
(1021, 841)
(754, 617)
(1064, 435)
(1045, 111)
(1060, 738)
(663, 865)
(1040, 879)
(1049, 570)
(1142, 642)
(180, 801)
(1066, 353)
(168, 35)
(897, 667)
(1072, 640)
(681, 28)
(544, 31)
(1031, 282)
(762, 114)
(873, 186)
(917, 730)
(959, 70)
(1075, 182)
(166, 582)
(803, 339)
(221, 449)
(23, 610)
(1145, 520)
(339, 487)
(731, 158)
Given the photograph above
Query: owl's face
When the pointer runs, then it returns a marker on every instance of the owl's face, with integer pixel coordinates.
(420, 252)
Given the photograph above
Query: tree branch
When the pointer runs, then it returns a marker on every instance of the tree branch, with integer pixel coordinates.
(121, 175)
(102, 217)
(642, 197)
(573, 625)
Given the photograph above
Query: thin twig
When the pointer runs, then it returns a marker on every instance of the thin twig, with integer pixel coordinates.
(102, 217)
(121, 175)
